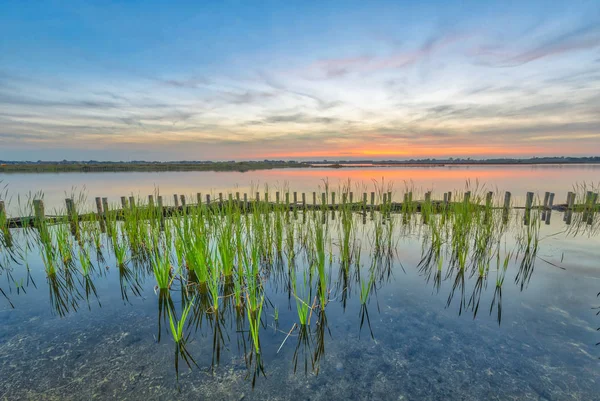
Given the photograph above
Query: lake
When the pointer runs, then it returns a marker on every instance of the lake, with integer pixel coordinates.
(459, 303)
(517, 179)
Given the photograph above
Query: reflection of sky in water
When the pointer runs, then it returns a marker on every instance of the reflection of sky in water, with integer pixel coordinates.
(517, 179)
(544, 347)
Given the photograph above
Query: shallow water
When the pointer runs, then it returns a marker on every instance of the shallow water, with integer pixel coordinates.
(422, 346)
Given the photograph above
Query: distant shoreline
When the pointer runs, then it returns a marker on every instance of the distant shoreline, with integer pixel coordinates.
(84, 167)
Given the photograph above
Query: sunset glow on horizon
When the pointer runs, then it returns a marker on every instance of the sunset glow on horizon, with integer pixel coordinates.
(339, 80)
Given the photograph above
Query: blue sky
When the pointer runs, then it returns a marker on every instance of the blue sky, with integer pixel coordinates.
(250, 80)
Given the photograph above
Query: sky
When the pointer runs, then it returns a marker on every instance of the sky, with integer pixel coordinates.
(303, 80)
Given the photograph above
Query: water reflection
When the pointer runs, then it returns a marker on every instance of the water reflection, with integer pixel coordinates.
(345, 261)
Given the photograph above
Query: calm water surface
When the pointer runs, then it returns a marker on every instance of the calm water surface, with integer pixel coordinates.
(517, 179)
(418, 342)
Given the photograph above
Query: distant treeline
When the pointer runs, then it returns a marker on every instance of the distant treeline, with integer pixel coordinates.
(93, 166)
(464, 161)
(96, 166)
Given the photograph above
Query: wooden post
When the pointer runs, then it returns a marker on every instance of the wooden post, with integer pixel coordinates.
(237, 197)
(230, 198)
(488, 199)
(176, 200)
(529, 201)
(221, 197)
(287, 198)
(70, 208)
(2, 211)
(314, 199)
(277, 197)
(266, 197)
(506, 207)
(199, 199)
(344, 198)
(364, 201)
(428, 196)
(445, 197)
(295, 198)
(258, 196)
(351, 196)
(151, 201)
(546, 199)
(372, 199)
(182, 199)
(449, 196)
(507, 196)
(384, 203)
(38, 208)
(467, 197)
(207, 199)
(323, 200)
(99, 207)
(571, 202)
(303, 200)
(132, 202)
(548, 215)
(105, 206)
(124, 203)
(389, 197)
(245, 200)
(333, 199)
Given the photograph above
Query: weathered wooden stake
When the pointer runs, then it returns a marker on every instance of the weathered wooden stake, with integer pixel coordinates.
(546, 199)
(467, 197)
(351, 197)
(303, 200)
(488, 199)
(182, 199)
(221, 198)
(507, 196)
(314, 199)
(124, 204)
(372, 199)
(38, 208)
(99, 207)
(529, 201)
(176, 200)
(277, 197)
(207, 199)
(199, 199)
(132, 202)
(105, 206)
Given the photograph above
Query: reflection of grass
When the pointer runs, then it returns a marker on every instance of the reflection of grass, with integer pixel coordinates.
(232, 254)
(177, 332)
